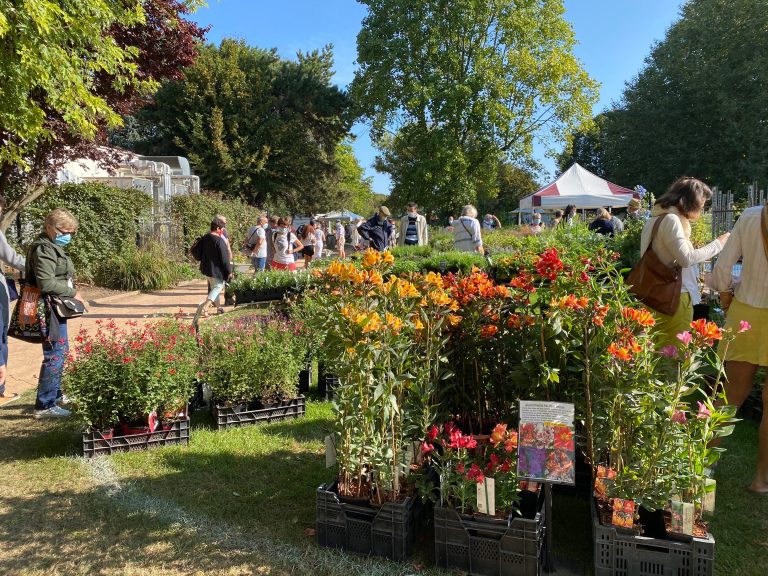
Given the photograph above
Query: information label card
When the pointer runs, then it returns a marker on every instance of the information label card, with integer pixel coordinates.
(547, 443)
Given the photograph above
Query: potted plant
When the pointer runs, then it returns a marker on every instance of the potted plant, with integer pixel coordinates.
(252, 365)
(384, 340)
(129, 376)
(269, 285)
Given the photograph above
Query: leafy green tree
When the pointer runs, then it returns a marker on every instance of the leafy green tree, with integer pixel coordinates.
(453, 87)
(698, 106)
(69, 69)
(354, 191)
(514, 183)
(252, 125)
(586, 147)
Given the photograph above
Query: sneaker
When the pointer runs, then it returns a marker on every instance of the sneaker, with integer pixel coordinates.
(52, 412)
(63, 400)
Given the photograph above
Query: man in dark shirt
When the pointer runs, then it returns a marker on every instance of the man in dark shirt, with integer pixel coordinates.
(215, 264)
(377, 230)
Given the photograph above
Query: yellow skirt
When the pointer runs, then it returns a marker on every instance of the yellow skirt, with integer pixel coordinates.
(667, 327)
(749, 346)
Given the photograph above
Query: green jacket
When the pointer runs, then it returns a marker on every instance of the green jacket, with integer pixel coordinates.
(49, 268)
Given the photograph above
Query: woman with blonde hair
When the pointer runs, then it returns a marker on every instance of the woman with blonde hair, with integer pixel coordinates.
(51, 270)
(467, 236)
(602, 224)
(682, 204)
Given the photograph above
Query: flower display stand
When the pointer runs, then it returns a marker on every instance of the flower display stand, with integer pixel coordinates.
(483, 546)
(389, 531)
(623, 553)
(234, 417)
(96, 443)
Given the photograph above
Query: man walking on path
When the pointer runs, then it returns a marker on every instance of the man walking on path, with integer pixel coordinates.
(215, 264)
(377, 230)
(257, 238)
(413, 228)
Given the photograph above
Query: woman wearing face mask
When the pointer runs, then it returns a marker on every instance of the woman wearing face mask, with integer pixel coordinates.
(11, 258)
(51, 270)
(286, 245)
(537, 226)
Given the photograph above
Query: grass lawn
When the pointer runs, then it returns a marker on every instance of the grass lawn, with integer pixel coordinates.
(238, 502)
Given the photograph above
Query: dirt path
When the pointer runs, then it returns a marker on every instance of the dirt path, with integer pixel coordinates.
(24, 358)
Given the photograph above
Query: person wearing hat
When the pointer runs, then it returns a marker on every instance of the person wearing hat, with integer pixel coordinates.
(634, 212)
(377, 230)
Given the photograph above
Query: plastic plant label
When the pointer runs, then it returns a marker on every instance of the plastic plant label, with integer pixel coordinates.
(486, 497)
(708, 502)
(682, 517)
(603, 479)
(547, 442)
(623, 513)
(330, 452)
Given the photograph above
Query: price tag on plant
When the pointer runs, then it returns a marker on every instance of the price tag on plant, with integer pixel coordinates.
(547, 442)
(486, 497)
(330, 452)
(708, 503)
(682, 517)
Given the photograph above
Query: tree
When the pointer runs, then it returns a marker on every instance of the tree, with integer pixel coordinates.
(252, 125)
(586, 147)
(69, 69)
(453, 87)
(514, 183)
(353, 190)
(698, 106)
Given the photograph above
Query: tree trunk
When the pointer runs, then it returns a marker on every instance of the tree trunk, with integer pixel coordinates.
(31, 192)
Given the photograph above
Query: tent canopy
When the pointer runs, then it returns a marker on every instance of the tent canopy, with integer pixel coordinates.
(578, 186)
(341, 215)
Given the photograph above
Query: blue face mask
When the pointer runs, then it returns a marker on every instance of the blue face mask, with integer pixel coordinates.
(62, 239)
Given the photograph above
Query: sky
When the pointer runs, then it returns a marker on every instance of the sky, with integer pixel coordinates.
(614, 37)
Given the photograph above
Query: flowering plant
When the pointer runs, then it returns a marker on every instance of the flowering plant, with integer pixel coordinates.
(127, 372)
(462, 462)
(384, 340)
(252, 357)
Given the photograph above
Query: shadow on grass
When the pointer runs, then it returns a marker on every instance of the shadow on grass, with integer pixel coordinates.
(24, 438)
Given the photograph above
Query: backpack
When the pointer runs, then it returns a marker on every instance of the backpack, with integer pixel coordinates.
(300, 231)
(197, 249)
(248, 244)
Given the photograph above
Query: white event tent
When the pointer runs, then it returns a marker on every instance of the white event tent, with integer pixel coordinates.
(578, 186)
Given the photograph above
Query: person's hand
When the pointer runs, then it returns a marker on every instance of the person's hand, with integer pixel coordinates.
(78, 297)
(723, 238)
(725, 300)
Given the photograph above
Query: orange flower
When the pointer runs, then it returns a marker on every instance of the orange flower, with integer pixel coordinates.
(406, 289)
(374, 277)
(514, 321)
(372, 324)
(619, 352)
(498, 433)
(394, 323)
(642, 317)
(439, 297)
(488, 330)
(600, 312)
(387, 257)
(453, 319)
(707, 331)
(434, 279)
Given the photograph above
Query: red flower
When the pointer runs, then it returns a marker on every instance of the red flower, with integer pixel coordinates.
(475, 474)
(548, 264)
(432, 433)
(505, 466)
(426, 448)
(488, 330)
(707, 331)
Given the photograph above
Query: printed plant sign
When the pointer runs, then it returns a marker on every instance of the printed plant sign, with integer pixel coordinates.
(547, 442)
(623, 513)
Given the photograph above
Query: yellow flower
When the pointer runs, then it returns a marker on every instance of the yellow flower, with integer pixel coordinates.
(373, 324)
(374, 277)
(347, 311)
(350, 351)
(371, 258)
(394, 323)
(387, 257)
(439, 297)
(417, 324)
(454, 320)
(434, 279)
(406, 289)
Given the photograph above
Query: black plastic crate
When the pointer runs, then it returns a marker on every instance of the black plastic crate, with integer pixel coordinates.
(331, 383)
(176, 433)
(389, 531)
(484, 546)
(623, 553)
(227, 417)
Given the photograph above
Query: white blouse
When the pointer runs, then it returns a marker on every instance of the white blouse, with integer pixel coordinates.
(672, 245)
(745, 242)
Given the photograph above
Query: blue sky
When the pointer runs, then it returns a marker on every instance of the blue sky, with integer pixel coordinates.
(614, 38)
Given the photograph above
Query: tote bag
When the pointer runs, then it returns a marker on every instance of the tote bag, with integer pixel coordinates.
(28, 318)
(654, 283)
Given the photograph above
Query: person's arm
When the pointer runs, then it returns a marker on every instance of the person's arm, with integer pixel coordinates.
(45, 273)
(498, 222)
(299, 246)
(722, 274)
(364, 230)
(426, 232)
(224, 252)
(477, 239)
(9, 255)
(673, 238)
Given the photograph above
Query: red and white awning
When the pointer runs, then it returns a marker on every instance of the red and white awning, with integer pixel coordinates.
(578, 186)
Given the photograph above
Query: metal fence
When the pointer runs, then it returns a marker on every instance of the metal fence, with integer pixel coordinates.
(724, 212)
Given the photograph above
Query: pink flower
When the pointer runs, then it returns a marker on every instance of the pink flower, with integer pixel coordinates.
(704, 412)
(678, 417)
(426, 448)
(670, 350)
(432, 433)
(685, 337)
(744, 326)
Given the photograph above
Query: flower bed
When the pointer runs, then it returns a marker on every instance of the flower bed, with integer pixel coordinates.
(244, 415)
(389, 531)
(620, 552)
(267, 286)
